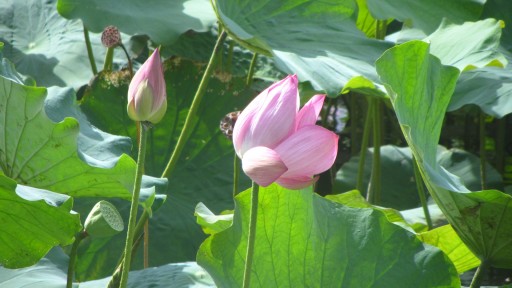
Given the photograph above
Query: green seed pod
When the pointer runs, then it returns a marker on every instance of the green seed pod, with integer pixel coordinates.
(104, 220)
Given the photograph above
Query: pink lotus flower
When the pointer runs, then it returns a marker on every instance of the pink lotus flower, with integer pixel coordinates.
(147, 98)
(279, 143)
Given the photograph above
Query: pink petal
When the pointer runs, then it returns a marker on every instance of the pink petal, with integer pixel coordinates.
(156, 79)
(309, 151)
(269, 118)
(263, 165)
(297, 182)
(152, 71)
(309, 113)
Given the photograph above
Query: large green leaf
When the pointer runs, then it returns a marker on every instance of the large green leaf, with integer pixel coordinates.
(203, 174)
(38, 152)
(420, 88)
(33, 221)
(304, 240)
(426, 15)
(334, 51)
(451, 44)
(163, 21)
(46, 46)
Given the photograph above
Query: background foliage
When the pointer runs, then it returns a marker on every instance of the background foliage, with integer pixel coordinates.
(66, 141)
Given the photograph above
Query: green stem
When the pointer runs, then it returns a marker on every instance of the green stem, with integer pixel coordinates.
(500, 145)
(90, 54)
(236, 170)
(72, 257)
(421, 192)
(354, 124)
(130, 65)
(146, 244)
(483, 170)
(135, 204)
(109, 59)
(116, 277)
(250, 74)
(251, 236)
(364, 146)
(229, 61)
(188, 126)
(477, 278)
(374, 188)
(380, 32)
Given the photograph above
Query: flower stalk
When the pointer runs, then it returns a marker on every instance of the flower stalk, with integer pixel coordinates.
(374, 189)
(90, 54)
(72, 257)
(421, 193)
(477, 278)
(252, 66)
(364, 146)
(252, 235)
(135, 203)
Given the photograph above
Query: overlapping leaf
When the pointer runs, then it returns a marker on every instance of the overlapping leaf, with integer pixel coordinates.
(46, 46)
(163, 21)
(426, 15)
(333, 52)
(38, 152)
(304, 240)
(420, 88)
(33, 221)
(489, 88)
(446, 239)
(51, 271)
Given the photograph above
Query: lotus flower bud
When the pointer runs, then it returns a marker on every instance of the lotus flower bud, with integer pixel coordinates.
(278, 142)
(147, 98)
(103, 221)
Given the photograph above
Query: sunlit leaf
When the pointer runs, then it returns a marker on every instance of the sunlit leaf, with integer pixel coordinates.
(304, 240)
(210, 222)
(33, 221)
(334, 51)
(446, 239)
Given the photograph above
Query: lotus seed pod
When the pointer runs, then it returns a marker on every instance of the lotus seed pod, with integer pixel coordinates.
(104, 220)
(111, 37)
(227, 123)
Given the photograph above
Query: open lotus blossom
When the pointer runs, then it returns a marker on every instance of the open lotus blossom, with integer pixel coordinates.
(277, 142)
(147, 98)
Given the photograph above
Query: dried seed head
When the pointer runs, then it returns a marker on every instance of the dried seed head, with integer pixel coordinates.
(111, 37)
(228, 122)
